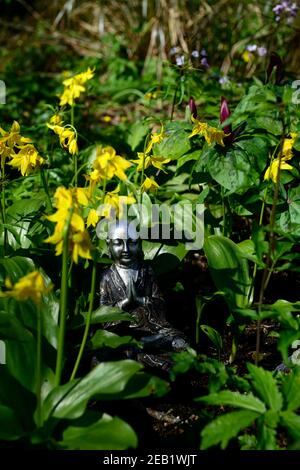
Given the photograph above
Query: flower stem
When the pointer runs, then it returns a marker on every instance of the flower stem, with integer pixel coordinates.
(39, 366)
(63, 302)
(3, 207)
(46, 189)
(88, 321)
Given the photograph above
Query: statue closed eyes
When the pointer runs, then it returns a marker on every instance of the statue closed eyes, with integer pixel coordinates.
(130, 285)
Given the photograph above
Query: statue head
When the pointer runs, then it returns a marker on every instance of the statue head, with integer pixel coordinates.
(124, 244)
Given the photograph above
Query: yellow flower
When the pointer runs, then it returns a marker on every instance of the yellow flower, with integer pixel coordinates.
(26, 160)
(13, 137)
(151, 95)
(56, 120)
(156, 138)
(5, 152)
(272, 171)
(74, 87)
(106, 165)
(287, 146)
(106, 118)
(149, 185)
(247, 57)
(32, 286)
(67, 137)
(93, 218)
(79, 241)
(115, 204)
(211, 134)
(147, 160)
(80, 245)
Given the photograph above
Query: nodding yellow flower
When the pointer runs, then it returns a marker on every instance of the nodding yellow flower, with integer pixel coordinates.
(247, 57)
(32, 286)
(92, 218)
(56, 119)
(79, 241)
(287, 146)
(278, 164)
(156, 138)
(149, 185)
(272, 171)
(211, 134)
(74, 87)
(67, 137)
(114, 204)
(26, 160)
(151, 95)
(106, 165)
(5, 152)
(13, 137)
(147, 160)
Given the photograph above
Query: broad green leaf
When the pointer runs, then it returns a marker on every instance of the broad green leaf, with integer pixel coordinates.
(292, 422)
(224, 428)
(10, 427)
(26, 207)
(290, 389)
(105, 313)
(233, 170)
(137, 133)
(174, 145)
(106, 338)
(14, 395)
(16, 267)
(213, 335)
(266, 387)
(108, 433)
(267, 438)
(235, 399)
(105, 380)
(229, 270)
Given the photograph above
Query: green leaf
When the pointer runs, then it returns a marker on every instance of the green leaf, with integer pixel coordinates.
(16, 267)
(266, 387)
(290, 389)
(137, 133)
(292, 422)
(235, 399)
(224, 428)
(26, 207)
(106, 338)
(105, 313)
(105, 380)
(174, 145)
(233, 170)
(10, 428)
(267, 438)
(108, 433)
(228, 269)
(213, 335)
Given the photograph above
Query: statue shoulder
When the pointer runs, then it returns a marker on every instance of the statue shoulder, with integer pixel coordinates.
(107, 274)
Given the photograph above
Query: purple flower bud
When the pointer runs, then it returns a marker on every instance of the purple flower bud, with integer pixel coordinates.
(224, 114)
(261, 51)
(193, 107)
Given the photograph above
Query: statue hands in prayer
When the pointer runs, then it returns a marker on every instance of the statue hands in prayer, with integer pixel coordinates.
(130, 285)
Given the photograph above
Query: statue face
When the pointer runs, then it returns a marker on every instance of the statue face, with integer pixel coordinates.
(124, 244)
(125, 252)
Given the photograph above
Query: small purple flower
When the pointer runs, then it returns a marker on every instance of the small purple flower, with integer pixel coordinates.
(261, 51)
(180, 60)
(195, 54)
(251, 47)
(174, 50)
(286, 9)
(203, 53)
(224, 80)
(204, 62)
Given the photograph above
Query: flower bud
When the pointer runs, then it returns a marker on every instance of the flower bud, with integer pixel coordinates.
(193, 107)
(224, 114)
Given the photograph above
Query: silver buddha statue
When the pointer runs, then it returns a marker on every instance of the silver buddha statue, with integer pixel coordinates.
(130, 285)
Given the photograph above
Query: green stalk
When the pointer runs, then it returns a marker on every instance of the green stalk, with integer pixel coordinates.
(63, 302)
(3, 207)
(46, 189)
(88, 321)
(39, 367)
(75, 155)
